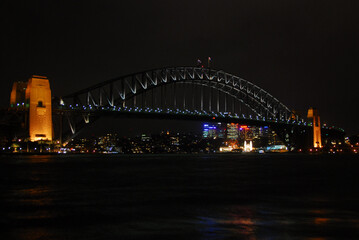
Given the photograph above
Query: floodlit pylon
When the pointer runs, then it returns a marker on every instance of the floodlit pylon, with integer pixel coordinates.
(313, 116)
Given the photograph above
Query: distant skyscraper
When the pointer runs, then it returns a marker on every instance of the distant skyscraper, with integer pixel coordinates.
(213, 130)
(232, 131)
(221, 130)
(209, 131)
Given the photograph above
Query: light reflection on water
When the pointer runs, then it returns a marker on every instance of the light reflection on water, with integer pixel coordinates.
(321, 221)
(35, 196)
(170, 198)
(33, 234)
(39, 159)
(240, 221)
(34, 200)
(247, 222)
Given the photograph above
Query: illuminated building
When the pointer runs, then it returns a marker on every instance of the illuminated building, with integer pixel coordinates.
(221, 131)
(213, 131)
(17, 97)
(277, 148)
(245, 132)
(313, 116)
(209, 131)
(274, 138)
(38, 98)
(226, 149)
(248, 146)
(259, 136)
(145, 138)
(232, 131)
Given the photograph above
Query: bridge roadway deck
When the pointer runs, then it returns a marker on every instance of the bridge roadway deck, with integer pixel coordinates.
(202, 116)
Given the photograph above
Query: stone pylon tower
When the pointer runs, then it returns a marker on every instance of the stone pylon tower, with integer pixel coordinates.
(313, 116)
(17, 97)
(38, 99)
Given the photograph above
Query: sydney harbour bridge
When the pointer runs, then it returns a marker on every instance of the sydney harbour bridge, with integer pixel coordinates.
(187, 93)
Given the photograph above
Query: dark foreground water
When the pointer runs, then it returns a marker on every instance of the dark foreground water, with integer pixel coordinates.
(179, 197)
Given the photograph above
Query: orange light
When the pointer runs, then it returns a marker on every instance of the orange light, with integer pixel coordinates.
(214, 118)
(38, 93)
(321, 220)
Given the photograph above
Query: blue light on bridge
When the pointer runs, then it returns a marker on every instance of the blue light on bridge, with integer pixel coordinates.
(185, 112)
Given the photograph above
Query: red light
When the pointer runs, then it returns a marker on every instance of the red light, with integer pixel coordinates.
(244, 127)
(213, 118)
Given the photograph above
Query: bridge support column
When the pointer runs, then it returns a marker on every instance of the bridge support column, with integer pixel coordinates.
(193, 89)
(225, 102)
(153, 99)
(218, 96)
(313, 116)
(174, 95)
(38, 96)
(184, 97)
(61, 122)
(234, 105)
(202, 98)
(210, 98)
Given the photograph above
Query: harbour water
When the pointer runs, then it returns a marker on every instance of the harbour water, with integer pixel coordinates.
(219, 196)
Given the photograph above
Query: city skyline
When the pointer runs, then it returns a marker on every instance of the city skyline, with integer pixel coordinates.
(303, 53)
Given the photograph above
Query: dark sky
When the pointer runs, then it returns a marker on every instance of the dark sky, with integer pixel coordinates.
(305, 53)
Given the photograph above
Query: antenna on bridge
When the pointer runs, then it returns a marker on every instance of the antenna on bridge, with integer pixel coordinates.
(209, 62)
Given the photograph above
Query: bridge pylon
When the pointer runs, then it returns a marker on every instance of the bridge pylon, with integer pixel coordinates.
(35, 97)
(313, 116)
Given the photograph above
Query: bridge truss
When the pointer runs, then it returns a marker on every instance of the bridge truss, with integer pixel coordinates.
(174, 90)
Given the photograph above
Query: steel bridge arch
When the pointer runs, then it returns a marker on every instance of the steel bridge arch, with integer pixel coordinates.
(115, 91)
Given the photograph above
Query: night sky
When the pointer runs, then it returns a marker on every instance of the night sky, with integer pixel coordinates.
(305, 53)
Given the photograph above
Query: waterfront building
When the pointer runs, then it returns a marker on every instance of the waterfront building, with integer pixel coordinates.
(209, 130)
(232, 131)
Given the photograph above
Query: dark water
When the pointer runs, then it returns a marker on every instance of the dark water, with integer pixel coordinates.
(179, 197)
